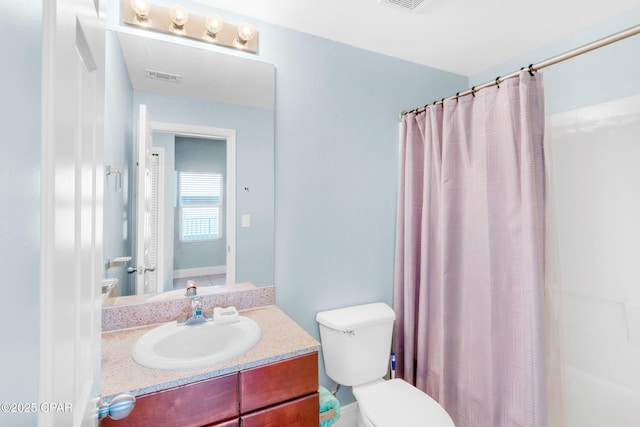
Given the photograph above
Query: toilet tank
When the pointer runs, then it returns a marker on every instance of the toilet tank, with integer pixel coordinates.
(356, 342)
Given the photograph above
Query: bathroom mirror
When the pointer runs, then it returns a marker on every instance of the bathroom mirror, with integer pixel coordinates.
(195, 99)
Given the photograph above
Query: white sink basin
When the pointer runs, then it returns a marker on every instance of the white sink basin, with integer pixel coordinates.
(193, 346)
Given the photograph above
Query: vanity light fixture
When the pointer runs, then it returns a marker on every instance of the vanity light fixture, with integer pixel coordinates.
(246, 33)
(177, 21)
(179, 17)
(142, 8)
(214, 24)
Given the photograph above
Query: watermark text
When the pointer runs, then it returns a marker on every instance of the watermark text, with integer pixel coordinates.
(26, 407)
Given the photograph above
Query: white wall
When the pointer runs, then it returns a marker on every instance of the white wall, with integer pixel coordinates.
(596, 158)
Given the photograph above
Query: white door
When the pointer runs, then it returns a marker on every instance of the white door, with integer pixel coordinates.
(71, 215)
(145, 257)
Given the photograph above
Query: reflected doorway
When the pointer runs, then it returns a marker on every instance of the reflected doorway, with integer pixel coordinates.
(198, 235)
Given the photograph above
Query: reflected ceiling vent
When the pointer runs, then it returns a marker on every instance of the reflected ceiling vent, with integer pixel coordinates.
(160, 75)
(407, 5)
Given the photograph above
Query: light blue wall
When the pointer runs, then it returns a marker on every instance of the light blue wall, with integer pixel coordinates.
(20, 32)
(118, 152)
(337, 125)
(206, 156)
(337, 131)
(608, 73)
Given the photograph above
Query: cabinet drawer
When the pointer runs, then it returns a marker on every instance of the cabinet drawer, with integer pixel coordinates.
(278, 382)
(302, 412)
(197, 404)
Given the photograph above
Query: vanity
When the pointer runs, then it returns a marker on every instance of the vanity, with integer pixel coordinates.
(273, 384)
(276, 381)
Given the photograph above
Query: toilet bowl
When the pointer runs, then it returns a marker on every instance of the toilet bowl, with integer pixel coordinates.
(356, 344)
(397, 403)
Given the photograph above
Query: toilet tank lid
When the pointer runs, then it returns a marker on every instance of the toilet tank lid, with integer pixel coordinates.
(356, 317)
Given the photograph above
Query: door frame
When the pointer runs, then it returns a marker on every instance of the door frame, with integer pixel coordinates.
(229, 135)
(158, 152)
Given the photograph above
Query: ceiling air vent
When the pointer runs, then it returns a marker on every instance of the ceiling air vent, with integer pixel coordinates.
(408, 5)
(160, 75)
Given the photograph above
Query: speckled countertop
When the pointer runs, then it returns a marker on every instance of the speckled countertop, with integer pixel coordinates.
(282, 338)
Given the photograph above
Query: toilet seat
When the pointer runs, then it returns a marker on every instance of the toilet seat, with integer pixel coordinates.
(397, 403)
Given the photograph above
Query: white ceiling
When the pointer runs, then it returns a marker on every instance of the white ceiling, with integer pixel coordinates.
(204, 74)
(460, 36)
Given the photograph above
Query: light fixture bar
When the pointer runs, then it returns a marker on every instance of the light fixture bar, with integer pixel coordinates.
(158, 19)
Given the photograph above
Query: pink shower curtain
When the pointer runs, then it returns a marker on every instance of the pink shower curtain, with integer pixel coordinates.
(469, 273)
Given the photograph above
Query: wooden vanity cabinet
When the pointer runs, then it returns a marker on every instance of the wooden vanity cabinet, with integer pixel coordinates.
(278, 382)
(279, 394)
(195, 404)
(302, 412)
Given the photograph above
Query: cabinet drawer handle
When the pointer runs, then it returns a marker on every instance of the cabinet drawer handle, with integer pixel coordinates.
(119, 407)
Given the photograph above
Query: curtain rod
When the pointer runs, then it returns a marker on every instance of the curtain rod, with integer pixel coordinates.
(632, 31)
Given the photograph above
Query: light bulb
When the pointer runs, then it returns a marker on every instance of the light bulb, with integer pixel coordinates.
(178, 15)
(142, 8)
(214, 24)
(246, 32)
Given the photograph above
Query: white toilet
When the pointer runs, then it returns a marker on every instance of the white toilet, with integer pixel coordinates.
(356, 344)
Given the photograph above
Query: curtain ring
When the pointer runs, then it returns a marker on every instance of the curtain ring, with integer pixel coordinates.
(457, 96)
(531, 70)
(498, 82)
(442, 102)
(473, 91)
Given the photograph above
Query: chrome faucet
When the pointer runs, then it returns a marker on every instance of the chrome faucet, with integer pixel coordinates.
(196, 314)
(196, 307)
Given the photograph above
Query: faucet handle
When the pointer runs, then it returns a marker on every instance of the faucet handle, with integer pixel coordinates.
(192, 289)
